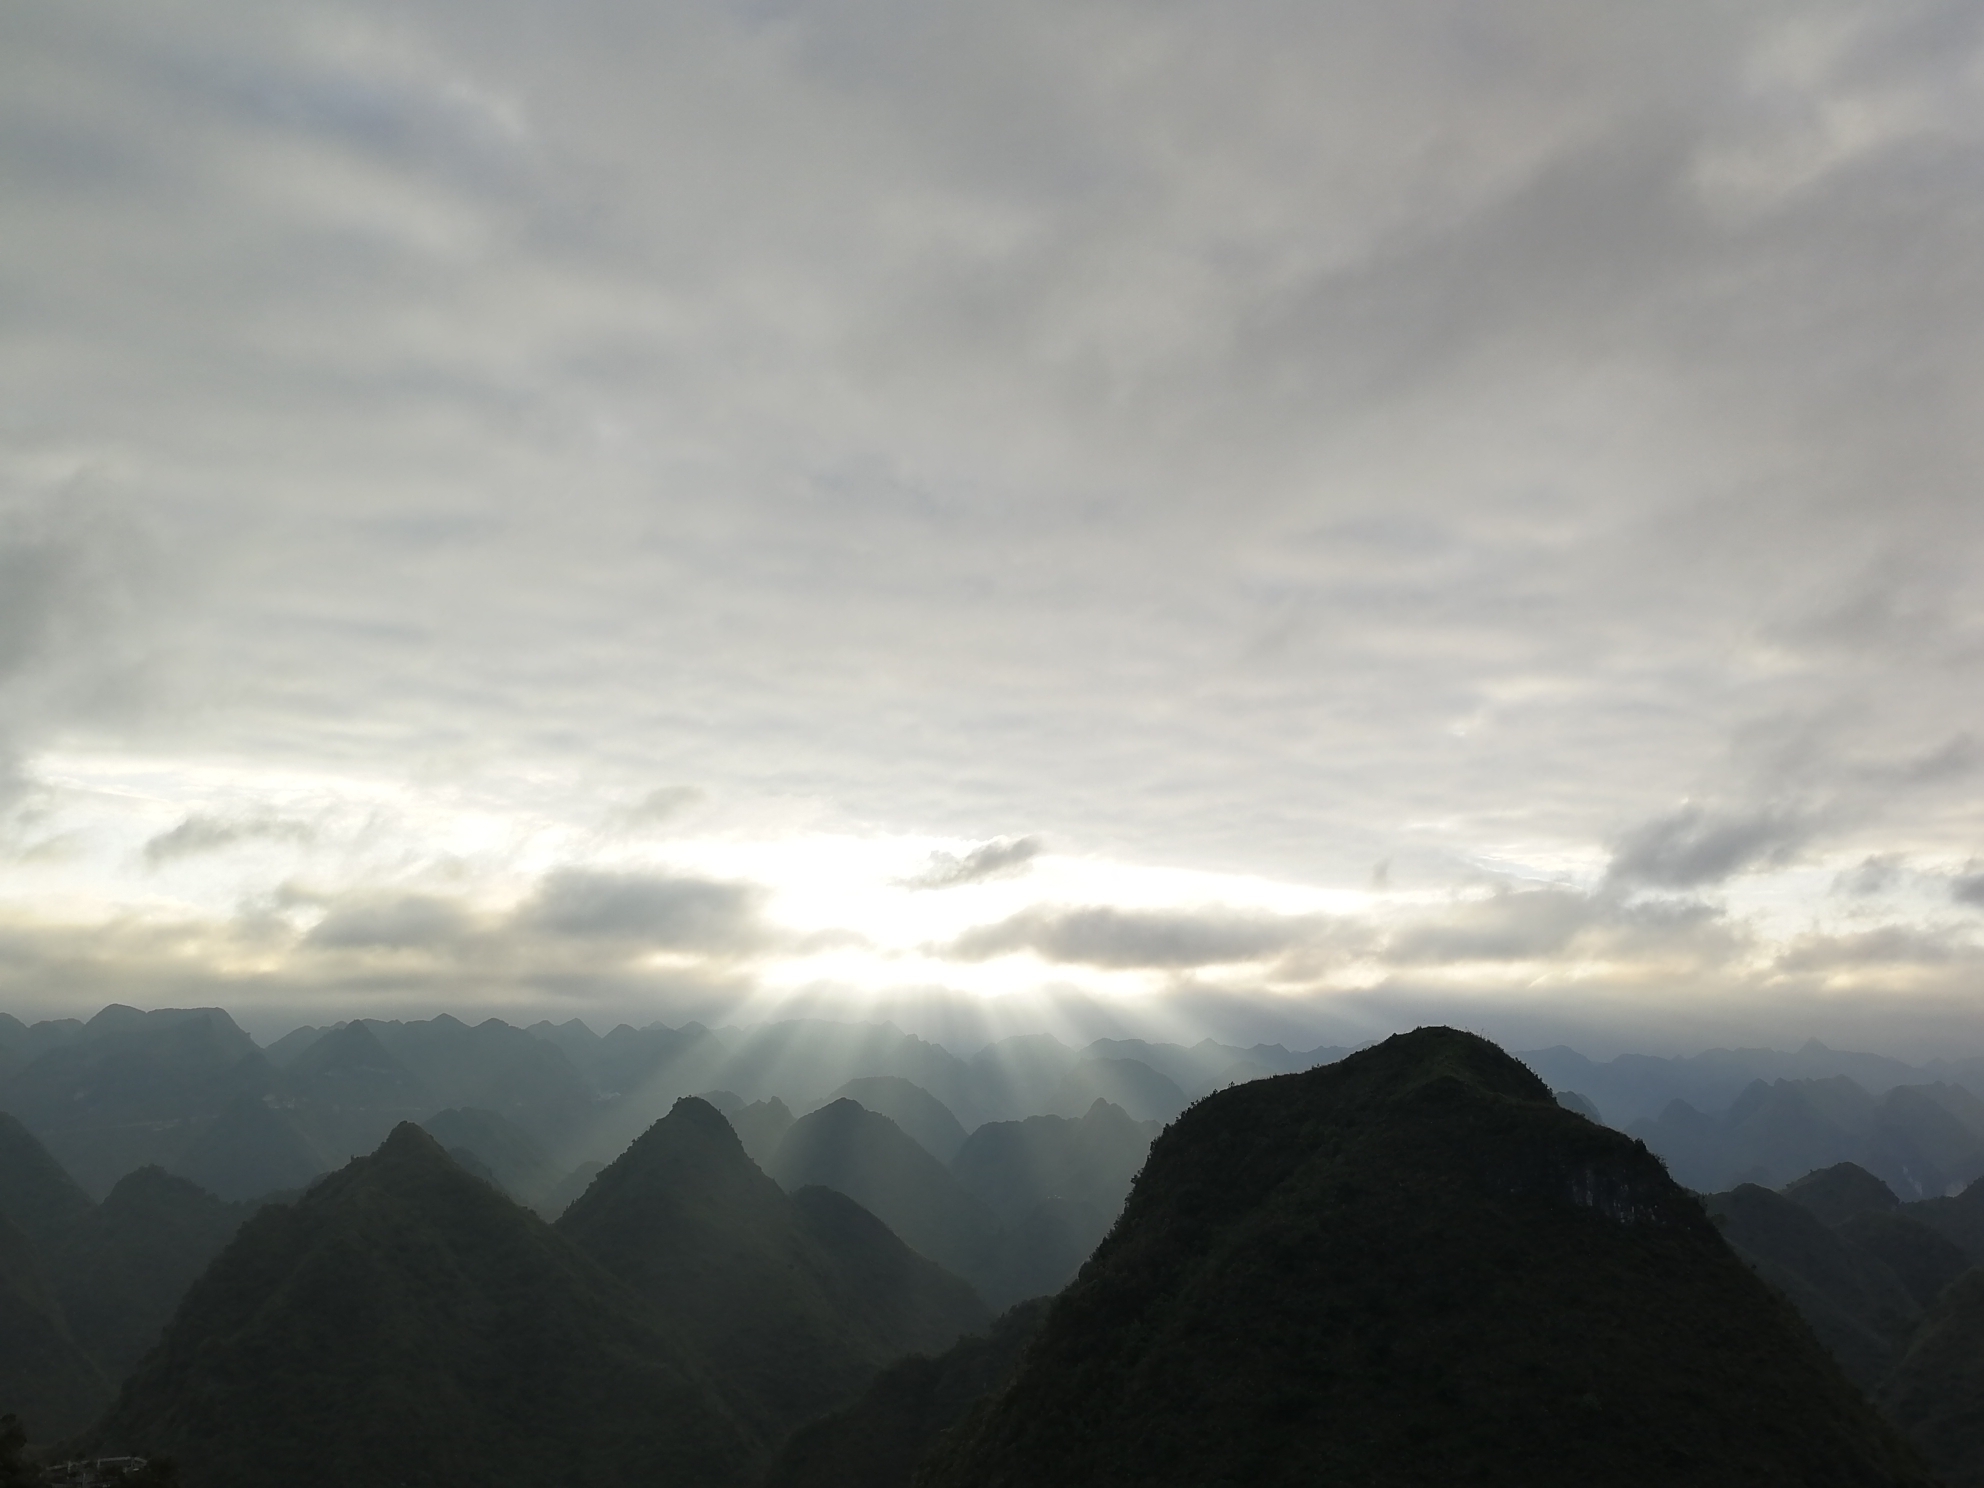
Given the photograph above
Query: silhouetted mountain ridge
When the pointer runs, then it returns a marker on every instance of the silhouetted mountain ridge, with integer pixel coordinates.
(1413, 1266)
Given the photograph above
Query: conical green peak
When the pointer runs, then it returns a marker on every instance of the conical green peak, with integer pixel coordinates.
(1408, 1063)
(410, 1143)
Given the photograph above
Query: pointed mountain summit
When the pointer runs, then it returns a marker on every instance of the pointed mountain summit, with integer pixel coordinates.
(1854, 1305)
(130, 1263)
(919, 1113)
(795, 1300)
(1414, 1267)
(873, 1161)
(1841, 1192)
(404, 1322)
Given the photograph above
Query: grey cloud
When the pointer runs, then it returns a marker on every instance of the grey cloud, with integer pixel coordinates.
(1545, 924)
(1890, 947)
(1697, 845)
(649, 909)
(1124, 938)
(199, 834)
(1060, 423)
(1968, 888)
(1003, 857)
(396, 922)
(1517, 926)
(76, 582)
(665, 803)
(1876, 874)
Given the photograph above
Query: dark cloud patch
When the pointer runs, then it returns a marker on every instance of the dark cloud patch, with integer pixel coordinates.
(1122, 939)
(1968, 888)
(1886, 947)
(198, 834)
(1879, 873)
(665, 804)
(656, 910)
(74, 573)
(1518, 926)
(1552, 923)
(1003, 857)
(1958, 757)
(1697, 845)
(395, 922)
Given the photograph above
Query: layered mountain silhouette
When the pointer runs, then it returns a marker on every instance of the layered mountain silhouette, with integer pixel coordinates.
(36, 1192)
(1855, 1304)
(1413, 1266)
(567, 1190)
(131, 1088)
(1886, 1287)
(122, 1271)
(798, 1299)
(1923, 1141)
(760, 1125)
(515, 1160)
(177, 1088)
(879, 1440)
(404, 1321)
(253, 1147)
(1127, 1083)
(1936, 1393)
(1636, 1086)
(1016, 1166)
(868, 1157)
(1056, 1185)
(45, 1377)
(920, 1114)
(492, 1066)
(354, 1090)
(88, 1288)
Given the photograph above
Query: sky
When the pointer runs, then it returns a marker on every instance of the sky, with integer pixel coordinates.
(1270, 520)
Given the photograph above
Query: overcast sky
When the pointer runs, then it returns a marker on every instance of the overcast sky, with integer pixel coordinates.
(1268, 519)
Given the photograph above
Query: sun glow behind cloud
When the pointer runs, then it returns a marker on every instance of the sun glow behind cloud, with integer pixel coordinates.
(667, 509)
(533, 893)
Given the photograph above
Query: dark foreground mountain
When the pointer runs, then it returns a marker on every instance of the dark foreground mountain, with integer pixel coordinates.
(878, 1441)
(1415, 1267)
(1860, 1266)
(1936, 1393)
(45, 1377)
(86, 1289)
(125, 1267)
(1853, 1302)
(404, 1322)
(796, 1301)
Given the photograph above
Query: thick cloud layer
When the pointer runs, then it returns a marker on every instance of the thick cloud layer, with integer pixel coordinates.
(464, 471)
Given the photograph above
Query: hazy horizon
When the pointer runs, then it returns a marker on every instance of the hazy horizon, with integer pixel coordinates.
(1282, 523)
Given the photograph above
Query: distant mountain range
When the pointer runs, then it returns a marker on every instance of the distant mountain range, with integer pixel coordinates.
(189, 1091)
